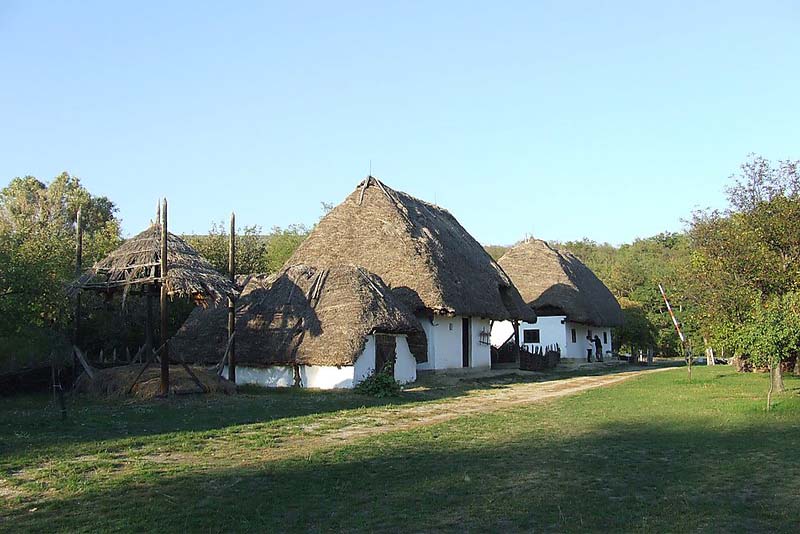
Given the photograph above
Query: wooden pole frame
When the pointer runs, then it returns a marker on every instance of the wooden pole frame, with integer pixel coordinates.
(232, 303)
(164, 390)
(78, 271)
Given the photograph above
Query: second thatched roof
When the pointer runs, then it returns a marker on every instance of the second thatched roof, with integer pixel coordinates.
(555, 282)
(432, 264)
(301, 315)
(137, 262)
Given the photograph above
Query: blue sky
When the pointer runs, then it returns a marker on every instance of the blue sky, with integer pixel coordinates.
(609, 120)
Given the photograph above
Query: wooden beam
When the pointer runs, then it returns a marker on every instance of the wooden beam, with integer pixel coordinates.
(86, 367)
(164, 389)
(76, 338)
(232, 303)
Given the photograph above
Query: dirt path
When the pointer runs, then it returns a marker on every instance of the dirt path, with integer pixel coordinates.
(482, 401)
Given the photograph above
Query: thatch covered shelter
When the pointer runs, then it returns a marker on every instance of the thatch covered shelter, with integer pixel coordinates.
(153, 261)
(137, 263)
(316, 327)
(432, 264)
(571, 302)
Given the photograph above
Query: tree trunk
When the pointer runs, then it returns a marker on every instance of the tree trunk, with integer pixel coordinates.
(771, 387)
(776, 377)
(797, 365)
(709, 353)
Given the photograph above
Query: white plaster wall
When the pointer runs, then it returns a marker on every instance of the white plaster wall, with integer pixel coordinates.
(327, 376)
(430, 334)
(365, 364)
(578, 349)
(447, 342)
(444, 342)
(312, 376)
(551, 331)
(273, 376)
(405, 368)
(481, 354)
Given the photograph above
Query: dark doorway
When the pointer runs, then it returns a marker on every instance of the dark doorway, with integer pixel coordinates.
(465, 342)
(385, 351)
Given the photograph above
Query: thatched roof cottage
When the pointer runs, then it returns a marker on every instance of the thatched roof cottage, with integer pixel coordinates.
(317, 327)
(432, 264)
(570, 301)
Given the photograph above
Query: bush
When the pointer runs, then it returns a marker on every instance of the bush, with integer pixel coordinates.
(380, 384)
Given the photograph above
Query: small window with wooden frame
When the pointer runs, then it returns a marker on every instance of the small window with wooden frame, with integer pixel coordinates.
(530, 335)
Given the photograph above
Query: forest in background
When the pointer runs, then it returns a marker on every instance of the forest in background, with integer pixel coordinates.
(732, 276)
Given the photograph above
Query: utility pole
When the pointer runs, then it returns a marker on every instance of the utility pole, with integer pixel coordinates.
(686, 354)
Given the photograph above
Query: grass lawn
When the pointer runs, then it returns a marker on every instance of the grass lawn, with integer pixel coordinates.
(652, 453)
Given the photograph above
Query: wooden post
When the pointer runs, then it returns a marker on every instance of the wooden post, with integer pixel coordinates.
(164, 270)
(231, 302)
(516, 339)
(78, 270)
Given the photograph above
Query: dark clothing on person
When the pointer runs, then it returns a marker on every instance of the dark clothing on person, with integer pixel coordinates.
(598, 349)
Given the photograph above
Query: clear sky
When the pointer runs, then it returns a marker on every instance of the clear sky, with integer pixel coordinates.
(609, 120)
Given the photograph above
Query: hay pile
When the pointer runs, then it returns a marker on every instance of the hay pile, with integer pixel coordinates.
(114, 382)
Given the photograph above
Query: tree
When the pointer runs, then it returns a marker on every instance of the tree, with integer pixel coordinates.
(771, 335)
(37, 255)
(747, 256)
(256, 252)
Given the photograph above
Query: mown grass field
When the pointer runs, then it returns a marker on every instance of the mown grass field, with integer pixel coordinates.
(654, 453)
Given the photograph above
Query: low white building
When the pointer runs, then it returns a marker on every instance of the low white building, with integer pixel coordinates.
(309, 327)
(575, 310)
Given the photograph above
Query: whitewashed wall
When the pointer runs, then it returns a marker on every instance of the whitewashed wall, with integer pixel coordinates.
(329, 376)
(481, 354)
(578, 349)
(405, 368)
(553, 330)
(444, 343)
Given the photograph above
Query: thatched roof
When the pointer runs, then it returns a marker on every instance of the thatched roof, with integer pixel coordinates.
(555, 282)
(303, 314)
(138, 262)
(420, 250)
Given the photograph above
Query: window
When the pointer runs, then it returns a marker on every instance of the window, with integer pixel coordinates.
(530, 336)
(605, 338)
(574, 336)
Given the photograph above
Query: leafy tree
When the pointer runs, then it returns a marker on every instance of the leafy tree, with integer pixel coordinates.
(748, 255)
(37, 255)
(256, 252)
(770, 336)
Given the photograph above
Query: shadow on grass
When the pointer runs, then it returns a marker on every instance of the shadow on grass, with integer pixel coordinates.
(471, 476)
(28, 428)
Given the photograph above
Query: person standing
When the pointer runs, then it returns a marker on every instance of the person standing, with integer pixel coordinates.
(598, 348)
(588, 349)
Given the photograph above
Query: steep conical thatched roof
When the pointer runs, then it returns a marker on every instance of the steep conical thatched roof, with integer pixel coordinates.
(303, 314)
(555, 282)
(420, 250)
(138, 262)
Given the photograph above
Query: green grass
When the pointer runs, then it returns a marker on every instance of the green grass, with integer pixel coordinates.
(655, 453)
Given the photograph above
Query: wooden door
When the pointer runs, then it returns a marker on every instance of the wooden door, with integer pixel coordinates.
(385, 351)
(466, 344)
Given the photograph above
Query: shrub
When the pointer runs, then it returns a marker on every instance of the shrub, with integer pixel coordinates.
(381, 384)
